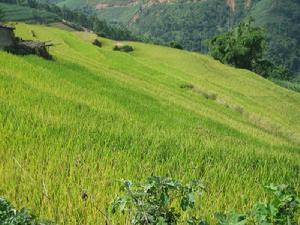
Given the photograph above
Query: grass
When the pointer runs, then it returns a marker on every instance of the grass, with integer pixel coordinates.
(93, 116)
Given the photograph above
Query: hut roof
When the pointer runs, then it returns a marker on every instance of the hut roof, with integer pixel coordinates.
(7, 27)
(33, 44)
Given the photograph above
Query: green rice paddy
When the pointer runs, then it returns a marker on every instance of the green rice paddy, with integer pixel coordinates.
(92, 116)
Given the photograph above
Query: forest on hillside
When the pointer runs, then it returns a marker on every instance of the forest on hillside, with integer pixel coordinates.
(190, 24)
(193, 24)
(32, 11)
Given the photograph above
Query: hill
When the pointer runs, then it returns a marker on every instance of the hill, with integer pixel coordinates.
(20, 13)
(93, 116)
(36, 12)
(192, 23)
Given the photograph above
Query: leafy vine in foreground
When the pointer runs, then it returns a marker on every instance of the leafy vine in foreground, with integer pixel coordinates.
(11, 216)
(161, 201)
(164, 201)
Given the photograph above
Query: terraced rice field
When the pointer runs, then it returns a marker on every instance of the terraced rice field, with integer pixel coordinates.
(92, 116)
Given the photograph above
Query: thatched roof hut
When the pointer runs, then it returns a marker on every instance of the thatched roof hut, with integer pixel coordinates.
(14, 45)
(7, 36)
(31, 47)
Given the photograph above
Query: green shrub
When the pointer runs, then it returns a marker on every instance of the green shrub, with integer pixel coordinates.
(161, 201)
(186, 86)
(281, 209)
(245, 47)
(280, 72)
(11, 216)
(123, 48)
(242, 47)
(153, 202)
(98, 43)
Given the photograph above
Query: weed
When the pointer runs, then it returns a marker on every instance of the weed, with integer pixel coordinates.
(97, 43)
(186, 86)
(123, 48)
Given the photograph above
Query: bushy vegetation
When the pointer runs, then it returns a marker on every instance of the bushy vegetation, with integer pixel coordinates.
(97, 43)
(153, 202)
(70, 129)
(123, 48)
(161, 201)
(12, 216)
(244, 47)
(165, 201)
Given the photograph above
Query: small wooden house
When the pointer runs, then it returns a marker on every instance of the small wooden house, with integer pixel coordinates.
(7, 36)
(35, 48)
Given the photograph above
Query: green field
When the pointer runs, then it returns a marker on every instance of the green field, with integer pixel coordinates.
(94, 116)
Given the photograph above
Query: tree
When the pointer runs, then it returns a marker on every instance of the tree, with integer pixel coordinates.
(242, 47)
(245, 47)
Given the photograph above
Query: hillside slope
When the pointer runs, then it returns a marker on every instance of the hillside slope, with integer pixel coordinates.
(192, 23)
(94, 116)
(25, 14)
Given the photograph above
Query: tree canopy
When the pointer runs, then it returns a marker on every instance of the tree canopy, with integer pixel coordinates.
(245, 47)
(242, 47)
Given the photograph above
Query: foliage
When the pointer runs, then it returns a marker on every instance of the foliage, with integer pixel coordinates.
(153, 202)
(282, 209)
(123, 48)
(98, 43)
(242, 47)
(11, 216)
(231, 219)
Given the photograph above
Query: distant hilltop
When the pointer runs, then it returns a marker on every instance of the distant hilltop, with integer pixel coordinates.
(107, 4)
